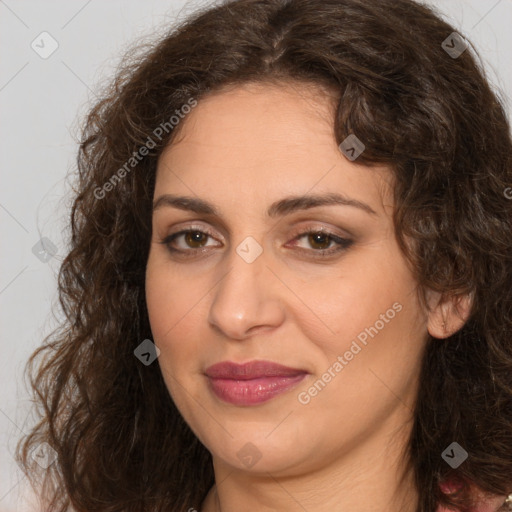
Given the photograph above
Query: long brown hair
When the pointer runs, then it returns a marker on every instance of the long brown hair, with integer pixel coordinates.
(420, 105)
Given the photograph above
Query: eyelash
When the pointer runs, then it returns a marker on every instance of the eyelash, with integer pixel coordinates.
(343, 243)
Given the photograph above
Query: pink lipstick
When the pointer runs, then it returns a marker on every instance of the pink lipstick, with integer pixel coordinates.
(251, 383)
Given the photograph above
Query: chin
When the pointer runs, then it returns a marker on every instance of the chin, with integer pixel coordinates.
(255, 451)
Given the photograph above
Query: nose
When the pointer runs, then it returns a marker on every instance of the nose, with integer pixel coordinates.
(247, 298)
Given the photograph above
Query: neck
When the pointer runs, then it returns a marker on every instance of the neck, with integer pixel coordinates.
(369, 477)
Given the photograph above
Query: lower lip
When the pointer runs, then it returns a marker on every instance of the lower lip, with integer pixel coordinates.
(254, 391)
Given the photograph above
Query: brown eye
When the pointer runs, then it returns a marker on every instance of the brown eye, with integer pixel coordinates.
(319, 240)
(195, 237)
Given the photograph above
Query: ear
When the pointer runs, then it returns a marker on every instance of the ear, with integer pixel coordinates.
(447, 314)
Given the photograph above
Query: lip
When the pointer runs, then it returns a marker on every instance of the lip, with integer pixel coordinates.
(251, 383)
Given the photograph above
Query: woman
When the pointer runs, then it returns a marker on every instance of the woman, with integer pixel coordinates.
(289, 281)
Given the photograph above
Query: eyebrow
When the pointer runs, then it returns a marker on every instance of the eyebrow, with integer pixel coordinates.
(279, 208)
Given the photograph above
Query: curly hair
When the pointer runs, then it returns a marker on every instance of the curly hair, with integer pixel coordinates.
(121, 443)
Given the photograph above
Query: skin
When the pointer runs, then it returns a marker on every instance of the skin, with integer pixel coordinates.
(242, 148)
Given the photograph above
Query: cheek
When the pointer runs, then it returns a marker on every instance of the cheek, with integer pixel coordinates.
(168, 299)
(357, 296)
(160, 304)
(170, 309)
(176, 313)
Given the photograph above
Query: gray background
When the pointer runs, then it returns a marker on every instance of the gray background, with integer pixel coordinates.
(42, 101)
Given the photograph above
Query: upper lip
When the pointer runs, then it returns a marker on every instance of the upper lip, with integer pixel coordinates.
(251, 370)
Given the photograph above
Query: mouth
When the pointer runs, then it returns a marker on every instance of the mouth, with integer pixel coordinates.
(251, 383)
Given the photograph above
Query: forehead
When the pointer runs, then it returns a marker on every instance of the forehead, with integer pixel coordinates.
(251, 144)
(244, 119)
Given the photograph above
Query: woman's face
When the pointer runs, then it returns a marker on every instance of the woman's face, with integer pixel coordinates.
(246, 284)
